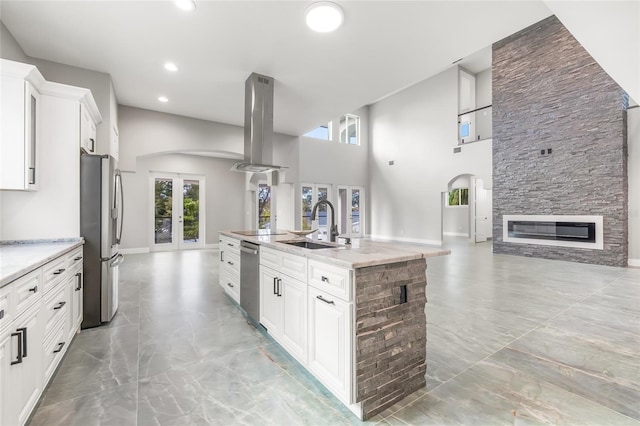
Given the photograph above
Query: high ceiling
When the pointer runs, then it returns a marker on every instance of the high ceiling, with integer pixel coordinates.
(383, 47)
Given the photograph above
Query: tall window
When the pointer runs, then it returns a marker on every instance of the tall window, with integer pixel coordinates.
(323, 132)
(311, 194)
(350, 129)
(458, 197)
(264, 206)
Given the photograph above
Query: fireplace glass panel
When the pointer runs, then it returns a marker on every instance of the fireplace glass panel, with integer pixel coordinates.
(564, 231)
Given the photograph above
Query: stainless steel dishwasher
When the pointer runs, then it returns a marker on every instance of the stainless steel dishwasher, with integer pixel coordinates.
(250, 280)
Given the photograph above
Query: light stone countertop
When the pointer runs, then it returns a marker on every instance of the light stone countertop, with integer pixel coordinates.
(18, 258)
(361, 253)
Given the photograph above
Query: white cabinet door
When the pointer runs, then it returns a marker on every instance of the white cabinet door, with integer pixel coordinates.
(293, 330)
(270, 301)
(329, 342)
(6, 411)
(20, 119)
(24, 378)
(75, 288)
(88, 130)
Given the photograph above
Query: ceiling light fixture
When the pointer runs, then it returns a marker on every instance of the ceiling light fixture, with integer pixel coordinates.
(163, 99)
(324, 16)
(170, 66)
(187, 5)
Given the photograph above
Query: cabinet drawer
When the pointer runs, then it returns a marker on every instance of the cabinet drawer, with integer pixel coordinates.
(332, 279)
(230, 244)
(53, 349)
(74, 258)
(53, 272)
(232, 263)
(289, 264)
(231, 285)
(6, 306)
(56, 308)
(27, 290)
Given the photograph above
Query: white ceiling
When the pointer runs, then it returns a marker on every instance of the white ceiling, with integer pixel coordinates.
(383, 47)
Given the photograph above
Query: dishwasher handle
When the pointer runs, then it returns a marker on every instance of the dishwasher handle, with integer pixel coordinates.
(249, 248)
(249, 251)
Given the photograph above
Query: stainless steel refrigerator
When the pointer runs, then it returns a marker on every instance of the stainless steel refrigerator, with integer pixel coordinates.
(101, 210)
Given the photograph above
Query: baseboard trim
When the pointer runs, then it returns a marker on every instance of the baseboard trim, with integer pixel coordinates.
(455, 234)
(406, 240)
(139, 250)
(211, 246)
(634, 262)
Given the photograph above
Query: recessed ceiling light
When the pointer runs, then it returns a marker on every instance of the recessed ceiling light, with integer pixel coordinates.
(170, 66)
(163, 99)
(324, 16)
(187, 5)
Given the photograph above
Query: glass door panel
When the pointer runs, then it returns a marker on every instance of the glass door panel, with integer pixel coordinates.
(264, 206)
(190, 211)
(355, 212)
(163, 211)
(307, 205)
(321, 214)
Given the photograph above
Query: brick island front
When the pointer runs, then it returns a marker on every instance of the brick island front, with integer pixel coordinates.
(388, 330)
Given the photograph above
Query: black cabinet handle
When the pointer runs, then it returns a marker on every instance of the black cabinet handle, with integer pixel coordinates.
(79, 277)
(331, 302)
(279, 288)
(32, 177)
(34, 289)
(230, 245)
(275, 282)
(19, 357)
(93, 144)
(23, 330)
(230, 263)
(230, 285)
(59, 271)
(75, 259)
(60, 305)
(60, 346)
(325, 279)
(2, 314)
(222, 256)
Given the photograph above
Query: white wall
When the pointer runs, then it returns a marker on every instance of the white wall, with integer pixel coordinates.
(144, 132)
(633, 139)
(224, 207)
(610, 32)
(53, 211)
(417, 129)
(9, 47)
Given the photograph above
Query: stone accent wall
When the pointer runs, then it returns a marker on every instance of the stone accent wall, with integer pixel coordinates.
(391, 338)
(548, 92)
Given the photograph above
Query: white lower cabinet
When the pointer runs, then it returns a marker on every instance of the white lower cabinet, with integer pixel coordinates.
(21, 376)
(283, 311)
(229, 275)
(330, 333)
(44, 310)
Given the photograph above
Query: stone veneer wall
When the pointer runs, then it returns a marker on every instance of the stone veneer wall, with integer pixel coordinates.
(548, 92)
(391, 338)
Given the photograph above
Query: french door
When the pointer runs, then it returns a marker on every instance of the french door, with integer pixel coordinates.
(350, 211)
(177, 210)
(311, 194)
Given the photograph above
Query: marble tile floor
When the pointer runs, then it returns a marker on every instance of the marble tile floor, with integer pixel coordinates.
(510, 340)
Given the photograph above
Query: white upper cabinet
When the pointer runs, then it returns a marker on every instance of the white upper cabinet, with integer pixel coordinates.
(88, 131)
(20, 126)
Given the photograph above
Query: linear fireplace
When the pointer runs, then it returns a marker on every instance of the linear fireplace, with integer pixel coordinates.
(556, 230)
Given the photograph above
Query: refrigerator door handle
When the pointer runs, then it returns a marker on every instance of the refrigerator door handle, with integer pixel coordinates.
(117, 261)
(120, 217)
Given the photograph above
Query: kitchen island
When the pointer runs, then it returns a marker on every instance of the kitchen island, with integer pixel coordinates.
(353, 315)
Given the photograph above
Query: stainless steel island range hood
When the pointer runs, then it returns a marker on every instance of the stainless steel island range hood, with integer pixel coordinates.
(258, 126)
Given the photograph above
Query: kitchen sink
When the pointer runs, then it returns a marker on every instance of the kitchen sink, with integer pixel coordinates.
(307, 244)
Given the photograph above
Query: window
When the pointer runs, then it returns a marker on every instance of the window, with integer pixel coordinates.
(311, 194)
(458, 197)
(350, 129)
(264, 206)
(323, 132)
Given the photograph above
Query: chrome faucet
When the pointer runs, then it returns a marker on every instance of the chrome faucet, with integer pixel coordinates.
(333, 231)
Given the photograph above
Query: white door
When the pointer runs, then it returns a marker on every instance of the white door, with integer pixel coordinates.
(311, 194)
(350, 211)
(177, 210)
(482, 212)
